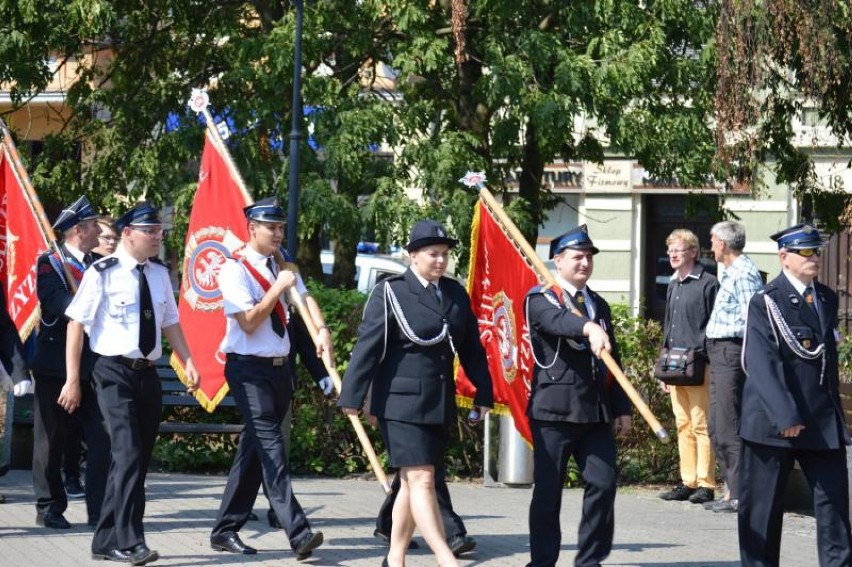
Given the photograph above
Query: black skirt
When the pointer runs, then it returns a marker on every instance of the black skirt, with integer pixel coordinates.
(414, 444)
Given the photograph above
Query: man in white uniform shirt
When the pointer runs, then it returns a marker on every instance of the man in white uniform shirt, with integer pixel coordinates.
(125, 302)
(257, 346)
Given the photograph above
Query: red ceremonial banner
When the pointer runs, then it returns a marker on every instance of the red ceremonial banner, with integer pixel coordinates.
(499, 280)
(217, 228)
(21, 242)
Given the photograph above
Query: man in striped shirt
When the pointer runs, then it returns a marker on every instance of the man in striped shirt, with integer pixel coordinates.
(739, 281)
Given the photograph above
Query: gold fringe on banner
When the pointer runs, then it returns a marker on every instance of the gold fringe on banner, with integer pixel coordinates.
(203, 400)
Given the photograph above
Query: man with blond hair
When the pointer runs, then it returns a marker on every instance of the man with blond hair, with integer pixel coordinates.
(689, 302)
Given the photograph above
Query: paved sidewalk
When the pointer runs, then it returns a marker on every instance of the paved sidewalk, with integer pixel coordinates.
(181, 510)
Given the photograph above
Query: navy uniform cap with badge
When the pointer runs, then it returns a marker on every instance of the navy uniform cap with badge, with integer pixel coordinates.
(77, 212)
(791, 410)
(265, 210)
(575, 239)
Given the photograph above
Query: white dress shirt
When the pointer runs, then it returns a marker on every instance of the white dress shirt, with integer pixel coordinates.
(571, 290)
(240, 293)
(107, 305)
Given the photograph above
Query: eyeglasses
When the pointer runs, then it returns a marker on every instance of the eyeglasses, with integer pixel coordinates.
(108, 238)
(149, 230)
(806, 252)
(676, 251)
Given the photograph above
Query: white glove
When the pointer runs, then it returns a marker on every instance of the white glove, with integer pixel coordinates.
(23, 388)
(326, 385)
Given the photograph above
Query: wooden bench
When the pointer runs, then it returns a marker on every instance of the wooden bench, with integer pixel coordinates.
(176, 396)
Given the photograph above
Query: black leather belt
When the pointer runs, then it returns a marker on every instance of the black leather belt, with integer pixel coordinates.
(132, 363)
(736, 340)
(270, 360)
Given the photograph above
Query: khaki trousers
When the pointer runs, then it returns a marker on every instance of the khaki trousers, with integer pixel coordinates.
(690, 405)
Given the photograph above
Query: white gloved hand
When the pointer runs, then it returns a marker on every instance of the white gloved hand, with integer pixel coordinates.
(23, 388)
(326, 385)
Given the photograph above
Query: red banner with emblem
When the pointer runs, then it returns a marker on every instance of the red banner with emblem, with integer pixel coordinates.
(217, 228)
(21, 242)
(498, 281)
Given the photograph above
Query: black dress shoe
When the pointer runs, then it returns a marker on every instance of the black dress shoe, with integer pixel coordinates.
(252, 517)
(111, 555)
(52, 520)
(273, 520)
(310, 543)
(385, 538)
(140, 554)
(461, 543)
(230, 542)
(702, 495)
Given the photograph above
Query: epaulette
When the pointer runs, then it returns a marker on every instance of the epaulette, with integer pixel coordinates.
(105, 263)
(157, 260)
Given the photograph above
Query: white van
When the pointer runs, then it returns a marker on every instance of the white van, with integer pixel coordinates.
(370, 269)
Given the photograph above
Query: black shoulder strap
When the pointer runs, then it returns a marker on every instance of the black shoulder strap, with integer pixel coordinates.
(105, 263)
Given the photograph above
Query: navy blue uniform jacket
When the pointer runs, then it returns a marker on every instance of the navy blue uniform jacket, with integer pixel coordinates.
(782, 389)
(54, 296)
(414, 383)
(574, 389)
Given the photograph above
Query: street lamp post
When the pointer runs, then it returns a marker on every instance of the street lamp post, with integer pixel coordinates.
(295, 136)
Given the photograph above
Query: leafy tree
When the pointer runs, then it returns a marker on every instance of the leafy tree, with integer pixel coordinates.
(776, 57)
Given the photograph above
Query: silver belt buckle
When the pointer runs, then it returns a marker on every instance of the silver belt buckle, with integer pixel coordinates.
(278, 361)
(139, 363)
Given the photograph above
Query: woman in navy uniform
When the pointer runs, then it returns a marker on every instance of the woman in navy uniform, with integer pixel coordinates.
(573, 408)
(791, 407)
(413, 327)
(79, 227)
(126, 303)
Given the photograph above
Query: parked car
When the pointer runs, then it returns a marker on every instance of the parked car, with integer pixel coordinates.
(370, 269)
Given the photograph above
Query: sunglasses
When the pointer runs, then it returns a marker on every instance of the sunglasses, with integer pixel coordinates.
(807, 252)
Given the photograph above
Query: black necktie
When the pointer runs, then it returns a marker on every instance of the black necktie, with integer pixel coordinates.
(580, 300)
(810, 300)
(147, 328)
(432, 290)
(277, 323)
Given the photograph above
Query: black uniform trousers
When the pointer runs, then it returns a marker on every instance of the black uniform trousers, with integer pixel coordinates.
(763, 480)
(453, 524)
(262, 393)
(726, 394)
(50, 429)
(131, 403)
(593, 447)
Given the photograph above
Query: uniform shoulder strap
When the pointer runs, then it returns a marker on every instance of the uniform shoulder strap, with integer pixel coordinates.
(105, 263)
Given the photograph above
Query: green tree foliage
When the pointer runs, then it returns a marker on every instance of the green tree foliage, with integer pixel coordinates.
(776, 58)
(542, 80)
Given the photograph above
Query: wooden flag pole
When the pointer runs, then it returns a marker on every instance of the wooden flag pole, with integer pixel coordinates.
(544, 275)
(35, 203)
(296, 299)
